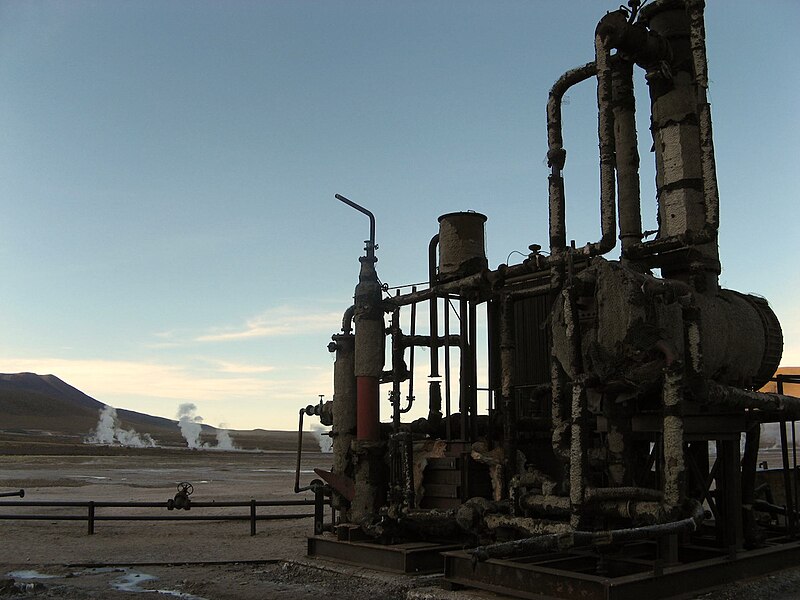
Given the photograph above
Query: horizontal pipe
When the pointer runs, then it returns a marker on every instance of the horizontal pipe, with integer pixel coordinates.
(427, 341)
(574, 539)
(623, 493)
(785, 407)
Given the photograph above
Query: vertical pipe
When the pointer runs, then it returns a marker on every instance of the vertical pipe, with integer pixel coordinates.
(448, 425)
(368, 421)
(412, 332)
(344, 410)
(319, 510)
(369, 349)
(556, 155)
(697, 36)
(605, 134)
(252, 517)
(473, 369)
(749, 466)
(299, 452)
(435, 386)
(672, 427)
(577, 454)
(787, 482)
(730, 493)
(464, 377)
(681, 130)
(627, 155)
(577, 448)
(507, 358)
(90, 519)
(397, 367)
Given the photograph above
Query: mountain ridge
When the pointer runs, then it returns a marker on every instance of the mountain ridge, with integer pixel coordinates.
(45, 405)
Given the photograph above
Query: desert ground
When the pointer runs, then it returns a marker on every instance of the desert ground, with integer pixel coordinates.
(208, 560)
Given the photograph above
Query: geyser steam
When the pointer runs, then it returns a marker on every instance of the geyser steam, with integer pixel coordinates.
(323, 439)
(109, 431)
(191, 425)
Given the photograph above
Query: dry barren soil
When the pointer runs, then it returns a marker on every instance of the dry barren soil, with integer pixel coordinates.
(206, 560)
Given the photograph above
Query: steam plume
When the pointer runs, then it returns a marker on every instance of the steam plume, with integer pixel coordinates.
(323, 439)
(190, 424)
(108, 431)
(224, 441)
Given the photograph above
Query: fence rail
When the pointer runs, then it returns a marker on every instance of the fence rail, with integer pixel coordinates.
(91, 517)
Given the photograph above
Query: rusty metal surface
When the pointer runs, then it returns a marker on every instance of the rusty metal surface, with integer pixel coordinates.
(418, 558)
(571, 576)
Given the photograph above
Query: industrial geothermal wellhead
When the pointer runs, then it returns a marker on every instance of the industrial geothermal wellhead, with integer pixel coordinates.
(618, 390)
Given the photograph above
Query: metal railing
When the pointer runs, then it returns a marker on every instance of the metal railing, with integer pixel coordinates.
(91, 507)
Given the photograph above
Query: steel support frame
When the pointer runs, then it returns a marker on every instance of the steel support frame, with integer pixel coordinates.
(535, 578)
(407, 558)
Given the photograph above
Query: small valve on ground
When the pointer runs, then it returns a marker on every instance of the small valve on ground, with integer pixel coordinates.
(181, 501)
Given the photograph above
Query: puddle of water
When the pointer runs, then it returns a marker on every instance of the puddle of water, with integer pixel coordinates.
(132, 580)
(87, 477)
(29, 574)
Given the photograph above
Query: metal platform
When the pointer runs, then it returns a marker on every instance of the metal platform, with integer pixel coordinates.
(629, 576)
(408, 558)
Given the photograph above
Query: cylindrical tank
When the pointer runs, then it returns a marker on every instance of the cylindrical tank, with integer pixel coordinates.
(344, 410)
(462, 245)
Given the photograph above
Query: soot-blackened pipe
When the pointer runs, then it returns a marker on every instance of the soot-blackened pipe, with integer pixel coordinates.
(627, 155)
(605, 132)
(507, 359)
(370, 249)
(434, 386)
(560, 542)
(556, 155)
(694, 9)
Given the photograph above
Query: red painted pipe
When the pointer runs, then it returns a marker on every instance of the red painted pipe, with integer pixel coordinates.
(367, 413)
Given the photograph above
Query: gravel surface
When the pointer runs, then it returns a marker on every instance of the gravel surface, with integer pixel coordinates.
(206, 560)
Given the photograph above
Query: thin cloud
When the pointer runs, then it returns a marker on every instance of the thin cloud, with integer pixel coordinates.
(229, 367)
(281, 321)
(114, 378)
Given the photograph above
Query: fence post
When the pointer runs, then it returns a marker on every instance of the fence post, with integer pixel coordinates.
(91, 518)
(252, 517)
(319, 509)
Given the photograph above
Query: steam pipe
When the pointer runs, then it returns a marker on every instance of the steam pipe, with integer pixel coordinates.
(434, 387)
(560, 542)
(672, 427)
(697, 35)
(413, 328)
(370, 249)
(766, 403)
(470, 282)
(448, 426)
(397, 368)
(556, 155)
(464, 370)
(627, 155)
(605, 130)
(472, 360)
(347, 320)
(507, 354)
(425, 340)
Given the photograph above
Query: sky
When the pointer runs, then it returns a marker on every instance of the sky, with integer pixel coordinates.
(168, 227)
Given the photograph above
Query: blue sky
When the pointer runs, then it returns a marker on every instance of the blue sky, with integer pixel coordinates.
(167, 171)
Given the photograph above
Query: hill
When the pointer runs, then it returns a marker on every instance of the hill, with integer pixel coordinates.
(43, 410)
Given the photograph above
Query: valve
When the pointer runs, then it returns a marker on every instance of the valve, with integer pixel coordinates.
(181, 500)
